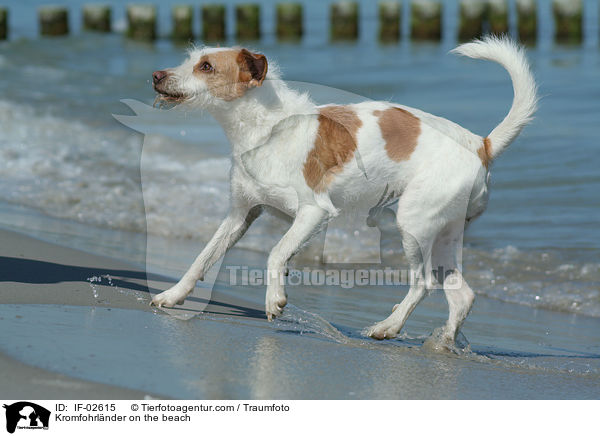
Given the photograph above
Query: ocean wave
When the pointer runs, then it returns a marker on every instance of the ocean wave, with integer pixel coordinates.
(68, 169)
(544, 279)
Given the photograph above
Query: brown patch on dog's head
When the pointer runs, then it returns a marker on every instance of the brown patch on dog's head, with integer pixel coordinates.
(253, 68)
(484, 152)
(230, 73)
(334, 146)
(400, 129)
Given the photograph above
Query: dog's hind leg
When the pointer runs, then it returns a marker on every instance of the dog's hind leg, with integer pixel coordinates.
(418, 254)
(229, 232)
(460, 301)
(447, 260)
(423, 213)
(307, 223)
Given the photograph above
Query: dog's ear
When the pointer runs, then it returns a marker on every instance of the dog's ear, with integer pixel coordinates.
(253, 67)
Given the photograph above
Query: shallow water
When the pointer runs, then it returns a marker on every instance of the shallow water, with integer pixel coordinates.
(301, 356)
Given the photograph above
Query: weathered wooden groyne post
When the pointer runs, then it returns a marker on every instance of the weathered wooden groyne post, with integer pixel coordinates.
(54, 20)
(426, 20)
(247, 21)
(142, 22)
(213, 22)
(96, 18)
(568, 23)
(3, 23)
(472, 15)
(290, 21)
(527, 21)
(344, 20)
(183, 16)
(498, 16)
(390, 19)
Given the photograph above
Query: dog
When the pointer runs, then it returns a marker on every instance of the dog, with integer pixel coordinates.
(313, 161)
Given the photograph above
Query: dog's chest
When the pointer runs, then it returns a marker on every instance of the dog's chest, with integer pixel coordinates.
(259, 188)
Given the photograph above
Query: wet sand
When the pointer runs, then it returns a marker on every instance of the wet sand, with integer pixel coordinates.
(22, 381)
(36, 272)
(104, 341)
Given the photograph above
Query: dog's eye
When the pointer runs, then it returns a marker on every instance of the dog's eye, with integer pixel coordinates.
(206, 67)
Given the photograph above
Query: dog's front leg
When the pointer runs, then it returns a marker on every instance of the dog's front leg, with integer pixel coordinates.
(229, 232)
(307, 223)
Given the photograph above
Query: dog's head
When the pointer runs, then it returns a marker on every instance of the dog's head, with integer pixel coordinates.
(211, 76)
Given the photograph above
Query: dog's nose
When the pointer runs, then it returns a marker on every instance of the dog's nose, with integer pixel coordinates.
(158, 76)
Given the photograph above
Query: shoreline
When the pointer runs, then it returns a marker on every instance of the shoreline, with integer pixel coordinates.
(28, 381)
(38, 272)
(35, 271)
(235, 353)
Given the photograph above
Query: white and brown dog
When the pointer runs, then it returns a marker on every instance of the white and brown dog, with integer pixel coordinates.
(310, 162)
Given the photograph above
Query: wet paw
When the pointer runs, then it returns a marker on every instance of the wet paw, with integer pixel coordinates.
(274, 306)
(168, 298)
(383, 330)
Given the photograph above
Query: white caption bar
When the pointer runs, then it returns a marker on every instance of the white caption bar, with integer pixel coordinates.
(155, 417)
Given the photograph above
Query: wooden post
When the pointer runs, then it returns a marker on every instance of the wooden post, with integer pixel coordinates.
(289, 21)
(344, 20)
(96, 18)
(426, 20)
(182, 23)
(142, 22)
(3, 23)
(213, 22)
(54, 20)
(568, 23)
(390, 19)
(248, 21)
(527, 21)
(472, 14)
(498, 16)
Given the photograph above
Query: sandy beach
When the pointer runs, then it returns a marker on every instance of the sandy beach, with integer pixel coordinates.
(62, 339)
(32, 272)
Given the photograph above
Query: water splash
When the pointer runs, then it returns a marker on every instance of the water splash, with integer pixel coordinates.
(93, 280)
(438, 342)
(302, 322)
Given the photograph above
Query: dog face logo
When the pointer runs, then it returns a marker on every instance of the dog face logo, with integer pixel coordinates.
(26, 415)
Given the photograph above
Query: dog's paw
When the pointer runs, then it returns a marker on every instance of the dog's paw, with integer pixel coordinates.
(274, 305)
(383, 330)
(169, 298)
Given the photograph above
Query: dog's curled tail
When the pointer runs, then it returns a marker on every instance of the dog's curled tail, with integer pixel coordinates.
(512, 57)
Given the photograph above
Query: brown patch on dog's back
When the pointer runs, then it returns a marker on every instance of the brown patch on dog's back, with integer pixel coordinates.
(484, 152)
(334, 145)
(400, 129)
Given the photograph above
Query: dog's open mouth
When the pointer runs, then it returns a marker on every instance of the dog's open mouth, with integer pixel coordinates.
(165, 98)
